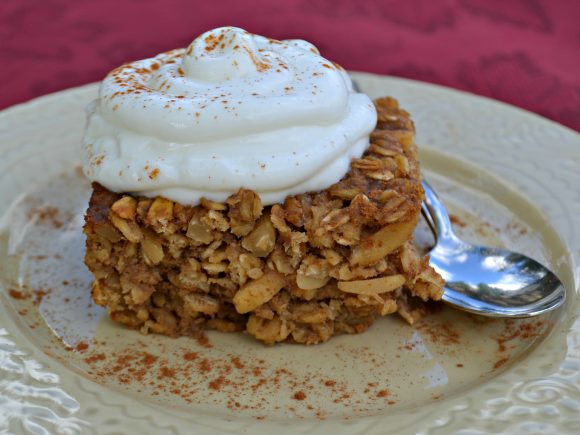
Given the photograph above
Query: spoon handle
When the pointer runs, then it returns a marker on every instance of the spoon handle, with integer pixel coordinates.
(436, 215)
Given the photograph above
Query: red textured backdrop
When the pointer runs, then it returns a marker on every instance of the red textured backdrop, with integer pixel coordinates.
(524, 52)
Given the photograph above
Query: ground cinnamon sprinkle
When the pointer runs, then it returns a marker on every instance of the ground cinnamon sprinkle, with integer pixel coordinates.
(531, 330)
(444, 333)
(153, 174)
(46, 214)
(523, 330)
(457, 221)
(94, 358)
(237, 362)
(500, 362)
(17, 294)
(205, 366)
(82, 346)
(300, 395)
(166, 372)
(233, 377)
(258, 384)
(217, 383)
(40, 294)
(148, 359)
(203, 341)
(448, 334)
(190, 356)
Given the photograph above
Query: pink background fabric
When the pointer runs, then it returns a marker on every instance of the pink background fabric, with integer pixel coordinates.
(523, 52)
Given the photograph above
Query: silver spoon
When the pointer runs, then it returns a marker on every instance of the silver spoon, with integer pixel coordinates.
(488, 281)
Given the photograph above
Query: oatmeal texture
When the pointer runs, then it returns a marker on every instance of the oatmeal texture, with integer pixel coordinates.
(320, 264)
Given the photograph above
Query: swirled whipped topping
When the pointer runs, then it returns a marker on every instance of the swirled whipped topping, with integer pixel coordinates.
(232, 110)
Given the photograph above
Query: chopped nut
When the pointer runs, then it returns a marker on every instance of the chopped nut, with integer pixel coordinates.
(200, 303)
(199, 231)
(160, 214)
(258, 291)
(281, 262)
(314, 266)
(309, 282)
(152, 248)
(106, 230)
(262, 239)
(388, 306)
(383, 242)
(129, 229)
(245, 206)
(212, 205)
(372, 286)
(248, 261)
(125, 208)
(255, 273)
(332, 257)
(241, 229)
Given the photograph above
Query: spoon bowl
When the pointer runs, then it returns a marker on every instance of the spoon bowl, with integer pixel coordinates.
(488, 281)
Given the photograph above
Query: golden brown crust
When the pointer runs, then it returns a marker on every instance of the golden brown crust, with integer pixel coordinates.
(319, 264)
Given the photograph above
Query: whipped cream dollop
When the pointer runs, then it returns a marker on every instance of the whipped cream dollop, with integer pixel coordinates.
(232, 110)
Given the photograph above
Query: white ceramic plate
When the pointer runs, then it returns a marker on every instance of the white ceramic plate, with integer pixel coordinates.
(509, 177)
